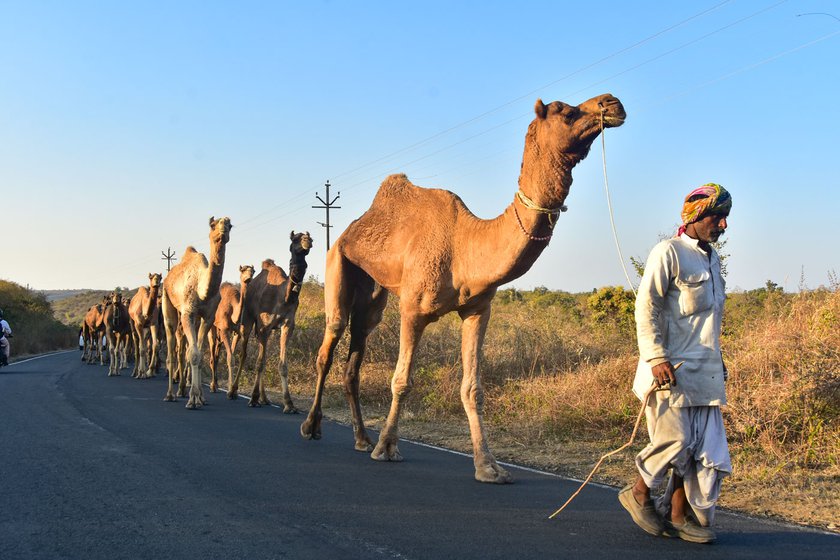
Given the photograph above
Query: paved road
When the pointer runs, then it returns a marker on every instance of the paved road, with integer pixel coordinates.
(96, 467)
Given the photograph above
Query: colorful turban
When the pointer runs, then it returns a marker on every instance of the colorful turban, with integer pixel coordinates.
(702, 201)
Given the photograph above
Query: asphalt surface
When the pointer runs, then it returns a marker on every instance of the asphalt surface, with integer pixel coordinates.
(97, 467)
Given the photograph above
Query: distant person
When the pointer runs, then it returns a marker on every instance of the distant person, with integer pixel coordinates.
(679, 309)
(5, 335)
(81, 339)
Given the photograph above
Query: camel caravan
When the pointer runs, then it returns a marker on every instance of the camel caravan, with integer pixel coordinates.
(422, 245)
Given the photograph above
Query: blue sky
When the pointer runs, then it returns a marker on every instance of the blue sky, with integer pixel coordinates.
(125, 126)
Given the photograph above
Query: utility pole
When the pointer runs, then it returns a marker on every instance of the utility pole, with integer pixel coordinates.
(168, 256)
(327, 205)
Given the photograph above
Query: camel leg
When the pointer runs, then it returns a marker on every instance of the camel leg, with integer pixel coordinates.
(338, 298)
(213, 359)
(195, 336)
(224, 336)
(366, 314)
(124, 340)
(233, 388)
(112, 354)
(472, 396)
(92, 348)
(170, 325)
(153, 352)
(411, 329)
(139, 351)
(86, 348)
(258, 397)
(182, 348)
(311, 427)
(285, 334)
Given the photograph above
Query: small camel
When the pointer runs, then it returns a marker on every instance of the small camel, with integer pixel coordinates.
(272, 302)
(117, 332)
(428, 249)
(93, 330)
(228, 314)
(188, 293)
(144, 313)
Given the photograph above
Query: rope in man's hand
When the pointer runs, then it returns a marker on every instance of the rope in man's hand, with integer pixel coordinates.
(653, 388)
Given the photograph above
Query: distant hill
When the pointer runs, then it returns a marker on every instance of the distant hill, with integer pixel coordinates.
(57, 295)
(70, 309)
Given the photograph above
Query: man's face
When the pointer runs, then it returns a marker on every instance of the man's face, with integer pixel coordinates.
(710, 227)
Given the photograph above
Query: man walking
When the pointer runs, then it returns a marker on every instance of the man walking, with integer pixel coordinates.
(679, 309)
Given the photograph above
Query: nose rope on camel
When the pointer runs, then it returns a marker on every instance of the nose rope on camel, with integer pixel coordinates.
(609, 202)
(653, 388)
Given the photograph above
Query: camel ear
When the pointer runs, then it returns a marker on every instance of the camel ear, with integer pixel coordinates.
(212, 221)
(292, 235)
(540, 109)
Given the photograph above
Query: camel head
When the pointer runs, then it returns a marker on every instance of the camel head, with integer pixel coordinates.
(301, 243)
(246, 273)
(220, 230)
(155, 281)
(568, 129)
(560, 137)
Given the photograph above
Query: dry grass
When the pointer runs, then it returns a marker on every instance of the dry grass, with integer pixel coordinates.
(558, 391)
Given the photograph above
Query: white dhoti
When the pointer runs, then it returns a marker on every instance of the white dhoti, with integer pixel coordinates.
(692, 441)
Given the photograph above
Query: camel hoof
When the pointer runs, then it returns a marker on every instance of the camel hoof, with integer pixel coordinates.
(213, 388)
(290, 409)
(169, 398)
(386, 453)
(232, 395)
(254, 404)
(364, 446)
(307, 431)
(493, 474)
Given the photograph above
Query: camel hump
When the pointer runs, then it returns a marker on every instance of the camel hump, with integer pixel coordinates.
(395, 186)
(268, 263)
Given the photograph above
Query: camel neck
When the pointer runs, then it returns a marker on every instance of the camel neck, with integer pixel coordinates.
(504, 248)
(151, 301)
(237, 308)
(215, 270)
(546, 176)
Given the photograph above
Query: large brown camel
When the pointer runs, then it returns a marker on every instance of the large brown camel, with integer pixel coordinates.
(226, 322)
(117, 332)
(93, 330)
(271, 303)
(428, 249)
(189, 291)
(144, 312)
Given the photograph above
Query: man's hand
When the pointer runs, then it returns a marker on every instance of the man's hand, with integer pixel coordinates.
(663, 374)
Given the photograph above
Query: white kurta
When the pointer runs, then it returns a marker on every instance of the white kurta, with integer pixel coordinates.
(679, 309)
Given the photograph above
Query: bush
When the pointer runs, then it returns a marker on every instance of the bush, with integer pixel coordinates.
(31, 318)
